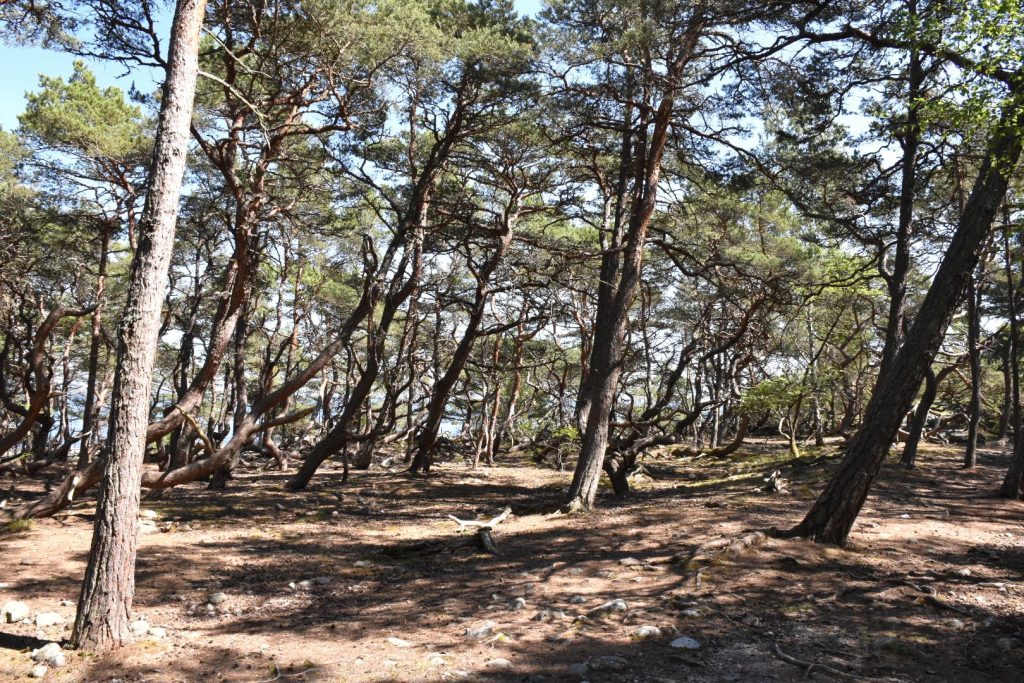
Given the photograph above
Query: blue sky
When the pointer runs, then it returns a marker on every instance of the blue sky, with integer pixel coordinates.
(22, 66)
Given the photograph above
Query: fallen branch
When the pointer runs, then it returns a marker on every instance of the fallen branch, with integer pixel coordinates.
(810, 667)
(476, 524)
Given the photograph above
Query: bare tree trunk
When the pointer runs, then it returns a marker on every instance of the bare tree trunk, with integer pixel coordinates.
(105, 604)
(920, 419)
(833, 514)
(610, 327)
(974, 353)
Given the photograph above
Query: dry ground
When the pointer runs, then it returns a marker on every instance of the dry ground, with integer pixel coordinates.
(931, 589)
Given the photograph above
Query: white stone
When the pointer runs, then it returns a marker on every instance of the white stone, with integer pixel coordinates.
(685, 643)
(46, 619)
(481, 630)
(157, 632)
(399, 642)
(47, 651)
(517, 604)
(617, 605)
(14, 611)
(217, 598)
(646, 631)
(139, 627)
(38, 671)
(499, 663)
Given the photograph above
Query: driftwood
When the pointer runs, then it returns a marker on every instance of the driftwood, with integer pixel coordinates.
(483, 539)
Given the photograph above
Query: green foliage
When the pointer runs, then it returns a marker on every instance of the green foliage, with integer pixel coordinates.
(77, 116)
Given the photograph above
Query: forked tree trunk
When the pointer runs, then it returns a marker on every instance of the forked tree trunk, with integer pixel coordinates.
(610, 326)
(105, 604)
(834, 512)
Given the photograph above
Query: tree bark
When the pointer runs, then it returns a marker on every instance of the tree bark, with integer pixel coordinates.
(105, 604)
(974, 353)
(610, 326)
(833, 514)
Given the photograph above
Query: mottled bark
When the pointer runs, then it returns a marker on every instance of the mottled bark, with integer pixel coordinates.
(105, 604)
(833, 514)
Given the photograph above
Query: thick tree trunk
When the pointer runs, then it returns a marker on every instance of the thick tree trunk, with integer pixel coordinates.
(833, 514)
(105, 604)
(610, 326)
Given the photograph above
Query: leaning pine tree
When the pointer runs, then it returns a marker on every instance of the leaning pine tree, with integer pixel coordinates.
(832, 516)
(104, 608)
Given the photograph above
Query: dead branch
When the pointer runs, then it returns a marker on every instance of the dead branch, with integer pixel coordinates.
(810, 667)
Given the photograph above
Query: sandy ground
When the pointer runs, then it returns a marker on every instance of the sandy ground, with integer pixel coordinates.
(931, 588)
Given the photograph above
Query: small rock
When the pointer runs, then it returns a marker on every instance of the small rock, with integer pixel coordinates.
(646, 631)
(46, 619)
(481, 630)
(362, 564)
(211, 608)
(965, 572)
(14, 611)
(139, 627)
(1007, 644)
(157, 632)
(148, 514)
(322, 580)
(49, 654)
(630, 562)
(517, 604)
(752, 620)
(685, 643)
(499, 663)
(306, 584)
(579, 669)
(66, 603)
(217, 598)
(904, 516)
(955, 623)
(38, 671)
(549, 615)
(574, 571)
(398, 642)
(882, 643)
(608, 663)
(617, 605)
(577, 599)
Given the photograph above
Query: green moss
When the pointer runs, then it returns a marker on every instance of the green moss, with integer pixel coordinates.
(18, 526)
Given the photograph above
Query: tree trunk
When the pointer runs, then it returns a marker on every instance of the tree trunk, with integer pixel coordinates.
(88, 409)
(610, 326)
(833, 514)
(105, 604)
(920, 419)
(974, 353)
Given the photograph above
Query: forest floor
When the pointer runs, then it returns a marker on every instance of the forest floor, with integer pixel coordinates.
(333, 584)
